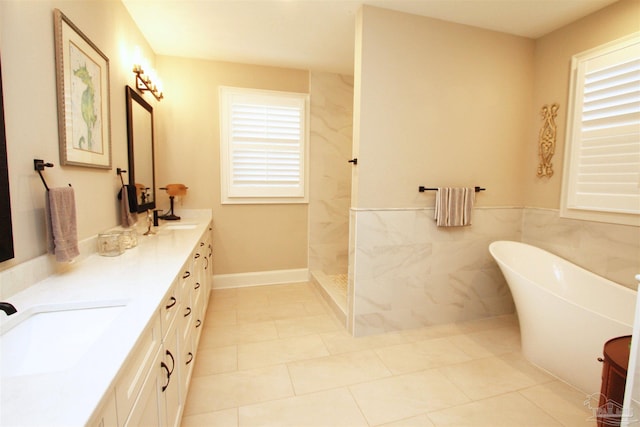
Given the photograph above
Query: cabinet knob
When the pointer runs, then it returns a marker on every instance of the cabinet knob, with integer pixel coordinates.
(600, 359)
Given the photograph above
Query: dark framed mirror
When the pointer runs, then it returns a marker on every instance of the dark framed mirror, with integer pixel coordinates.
(140, 142)
(6, 230)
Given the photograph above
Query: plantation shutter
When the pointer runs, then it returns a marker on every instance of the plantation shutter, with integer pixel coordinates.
(265, 145)
(605, 170)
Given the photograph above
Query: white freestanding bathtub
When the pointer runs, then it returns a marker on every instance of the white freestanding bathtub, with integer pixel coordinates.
(566, 313)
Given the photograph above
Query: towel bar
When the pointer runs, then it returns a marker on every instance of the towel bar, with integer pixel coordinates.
(422, 189)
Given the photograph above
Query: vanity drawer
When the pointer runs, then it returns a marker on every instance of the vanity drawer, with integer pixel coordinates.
(171, 306)
(136, 369)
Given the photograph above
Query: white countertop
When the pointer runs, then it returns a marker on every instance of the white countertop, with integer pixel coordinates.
(140, 277)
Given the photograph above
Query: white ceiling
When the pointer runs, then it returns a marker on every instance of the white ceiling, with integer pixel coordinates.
(319, 34)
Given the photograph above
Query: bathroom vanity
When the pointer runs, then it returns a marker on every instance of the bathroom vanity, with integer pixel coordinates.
(113, 340)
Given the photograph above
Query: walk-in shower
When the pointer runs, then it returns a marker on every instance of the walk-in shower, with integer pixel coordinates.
(330, 185)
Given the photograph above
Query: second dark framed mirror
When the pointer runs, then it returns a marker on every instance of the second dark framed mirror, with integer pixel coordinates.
(141, 158)
(6, 231)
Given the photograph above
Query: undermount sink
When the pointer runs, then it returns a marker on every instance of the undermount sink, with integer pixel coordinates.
(181, 226)
(53, 338)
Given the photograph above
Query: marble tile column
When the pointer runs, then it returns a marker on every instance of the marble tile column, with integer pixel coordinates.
(330, 174)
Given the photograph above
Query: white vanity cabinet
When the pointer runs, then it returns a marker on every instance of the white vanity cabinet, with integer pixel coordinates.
(152, 385)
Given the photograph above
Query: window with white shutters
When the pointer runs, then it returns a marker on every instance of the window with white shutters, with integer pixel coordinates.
(263, 146)
(602, 165)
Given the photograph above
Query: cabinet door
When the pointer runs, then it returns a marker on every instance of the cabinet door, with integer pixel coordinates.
(187, 319)
(170, 308)
(172, 365)
(209, 266)
(137, 368)
(107, 415)
(149, 408)
(187, 363)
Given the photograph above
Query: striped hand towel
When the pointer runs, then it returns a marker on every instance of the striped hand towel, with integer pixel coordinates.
(453, 206)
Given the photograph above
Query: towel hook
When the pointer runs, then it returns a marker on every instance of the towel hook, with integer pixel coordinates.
(120, 171)
(38, 166)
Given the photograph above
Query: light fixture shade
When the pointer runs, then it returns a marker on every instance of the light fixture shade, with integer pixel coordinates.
(176, 189)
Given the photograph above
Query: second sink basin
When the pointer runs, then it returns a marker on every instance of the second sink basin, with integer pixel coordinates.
(52, 338)
(181, 226)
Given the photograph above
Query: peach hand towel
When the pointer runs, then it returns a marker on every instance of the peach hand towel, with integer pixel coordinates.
(454, 206)
(60, 216)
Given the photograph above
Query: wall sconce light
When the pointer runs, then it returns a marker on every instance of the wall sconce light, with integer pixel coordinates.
(144, 83)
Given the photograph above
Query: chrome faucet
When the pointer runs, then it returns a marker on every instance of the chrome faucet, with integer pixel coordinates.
(7, 308)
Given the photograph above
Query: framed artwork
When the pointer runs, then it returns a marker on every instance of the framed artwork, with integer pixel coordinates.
(82, 81)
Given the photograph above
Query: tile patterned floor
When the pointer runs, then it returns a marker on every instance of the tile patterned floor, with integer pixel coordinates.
(276, 356)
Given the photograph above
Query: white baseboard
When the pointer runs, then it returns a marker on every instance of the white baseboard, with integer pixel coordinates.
(259, 278)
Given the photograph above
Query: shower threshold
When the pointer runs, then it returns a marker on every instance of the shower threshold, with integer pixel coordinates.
(333, 288)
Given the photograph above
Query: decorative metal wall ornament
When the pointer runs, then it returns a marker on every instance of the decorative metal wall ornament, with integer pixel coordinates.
(547, 139)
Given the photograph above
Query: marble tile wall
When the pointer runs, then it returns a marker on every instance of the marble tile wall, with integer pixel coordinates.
(407, 273)
(609, 250)
(330, 174)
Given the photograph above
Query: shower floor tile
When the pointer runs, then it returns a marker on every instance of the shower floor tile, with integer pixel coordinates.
(333, 288)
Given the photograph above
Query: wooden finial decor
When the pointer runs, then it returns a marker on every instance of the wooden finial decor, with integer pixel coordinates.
(547, 139)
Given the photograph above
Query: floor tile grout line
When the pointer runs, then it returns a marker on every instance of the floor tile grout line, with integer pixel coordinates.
(391, 375)
(543, 409)
(538, 406)
(374, 348)
(482, 399)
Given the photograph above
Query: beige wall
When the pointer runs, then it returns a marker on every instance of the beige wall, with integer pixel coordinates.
(438, 104)
(552, 73)
(29, 83)
(248, 238)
